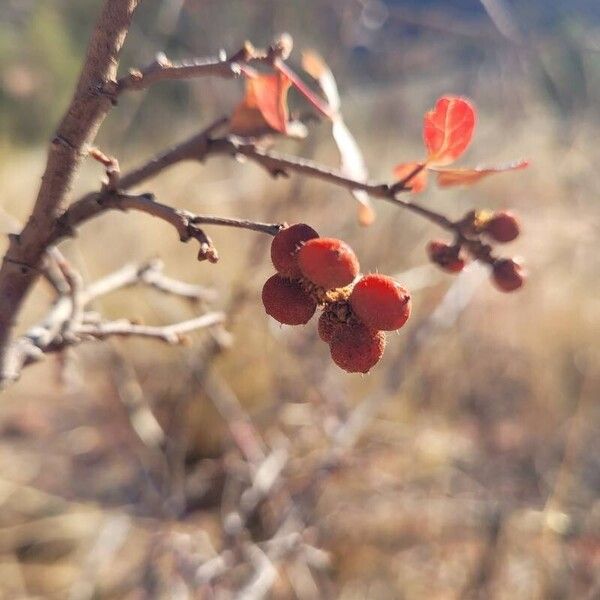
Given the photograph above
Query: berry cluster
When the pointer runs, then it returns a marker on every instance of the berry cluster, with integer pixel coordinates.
(314, 271)
(507, 274)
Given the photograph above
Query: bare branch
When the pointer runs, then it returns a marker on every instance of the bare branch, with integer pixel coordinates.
(186, 223)
(75, 282)
(172, 334)
(58, 329)
(200, 146)
(163, 69)
(152, 275)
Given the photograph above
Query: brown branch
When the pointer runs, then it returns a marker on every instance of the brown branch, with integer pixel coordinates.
(186, 223)
(201, 146)
(163, 69)
(281, 164)
(78, 128)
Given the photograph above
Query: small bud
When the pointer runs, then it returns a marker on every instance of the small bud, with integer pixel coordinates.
(445, 256)
(284, 45)
(508, 275)
(503, 227)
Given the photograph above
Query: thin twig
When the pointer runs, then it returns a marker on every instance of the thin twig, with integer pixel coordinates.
(163, 69)
(48, 334)
(172, 334)
(186, 223)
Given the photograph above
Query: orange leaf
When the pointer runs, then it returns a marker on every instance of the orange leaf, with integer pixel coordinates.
(452, 177)
(264, 108)
(448, 129)
(418, 182)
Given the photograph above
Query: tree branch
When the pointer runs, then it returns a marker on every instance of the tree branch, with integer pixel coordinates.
(162, 68)
(172, 334)
(78, 127)
(186, 223)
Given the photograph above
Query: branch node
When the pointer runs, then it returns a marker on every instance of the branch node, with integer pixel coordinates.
(59, 140)
(14, 238)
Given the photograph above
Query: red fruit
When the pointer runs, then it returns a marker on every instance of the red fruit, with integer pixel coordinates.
(380, 302)
(508, 275)
(326, 326)
(285, 246)
(503, 227)
(445, 256)
(328, 263)
(355, 348)
(286, 301)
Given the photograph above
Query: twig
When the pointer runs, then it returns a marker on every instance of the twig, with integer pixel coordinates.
(200, 146)
(153, 276)
(48, 334)
(172, 334)
(162, 69)
(186, 223)
(75, 282)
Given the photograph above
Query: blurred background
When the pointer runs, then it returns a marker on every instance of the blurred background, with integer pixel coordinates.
(466, 465)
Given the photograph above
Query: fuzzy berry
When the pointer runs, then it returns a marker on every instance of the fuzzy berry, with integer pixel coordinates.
(445, 256)
(328, 263)
(380, 302)
(285, 246)
(503, 227)
(508, 275)
(327, 325)
(286, 301)
(356, 348)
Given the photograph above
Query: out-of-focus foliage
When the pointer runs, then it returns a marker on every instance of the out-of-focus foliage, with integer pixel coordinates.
(367, 41)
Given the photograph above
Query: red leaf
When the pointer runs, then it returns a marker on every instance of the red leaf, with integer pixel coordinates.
(452, 177)
(418, 182)
(264, 107)
(448, 129)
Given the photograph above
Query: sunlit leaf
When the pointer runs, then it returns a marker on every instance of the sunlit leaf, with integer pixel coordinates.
(352, 162)
(264, 107)
(418, 182)
(453, 177)
(317, 68)
(448, 129)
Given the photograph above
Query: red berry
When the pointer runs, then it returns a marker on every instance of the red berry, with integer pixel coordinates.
(285, 246)
(355, 348)
(503, 227)
(508, 275)
(286, 301)
(380, 302)
(326, 326)
(445, 256)
(328, 263)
